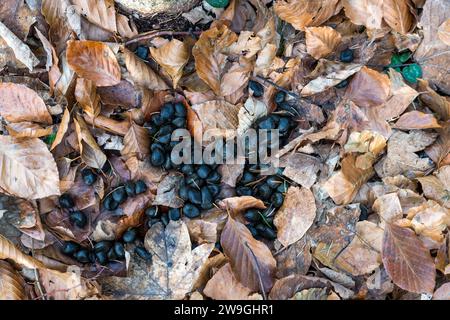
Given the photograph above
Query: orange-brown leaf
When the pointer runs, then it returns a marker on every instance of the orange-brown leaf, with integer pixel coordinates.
(320, 41)
(397, 14)
(19, 103)
(365, 12)
(417, 120)
(94, 61)
(12, 285)
(407, 261)
(136, 142)
(87, 97)
(251, 260)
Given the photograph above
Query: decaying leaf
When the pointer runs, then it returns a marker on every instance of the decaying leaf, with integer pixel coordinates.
(398, 15)
(13, 286)
(237, 205)
(368, 13)
(136, 142)
(87, 97)
(90, 152)
(167, 194)
(295, 216)
(251, 260)
(407, 261)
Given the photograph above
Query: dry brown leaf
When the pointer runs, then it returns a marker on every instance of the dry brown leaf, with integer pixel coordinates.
(125, 28)
(304, 13)
(99, 12)
(28, 130)
(295, 259)
(145, 171)
(363, 254)
(434, 101)
(224, 286)
(343, 185)
(28, 168)
(368, 13)
(301, 168)
(90, 152)
(167, 193)
(119, 127)
(327, 74)
(398, 15)
(444, 32)
(295, 216)
(321, 41)
(140, 73)
(417, 120)
(201, 231)
(437, 187)
(136, 143)
(389, 208)
(94, 61)
(20, 103)
(172, 57)
(369, 88)
(287, 287)
(87, 97)
(439, 152)
(407, 262)
(62, 129)
(433, 54)
(237, 205)
(251, 260)
(443, 292)
(209, 59)
(12, 285)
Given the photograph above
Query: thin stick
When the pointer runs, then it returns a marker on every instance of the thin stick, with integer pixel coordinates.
(153, 34)
(292, 94)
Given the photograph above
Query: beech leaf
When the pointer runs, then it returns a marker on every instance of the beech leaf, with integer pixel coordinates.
(90, 152)
(136, 142)
(320, 41)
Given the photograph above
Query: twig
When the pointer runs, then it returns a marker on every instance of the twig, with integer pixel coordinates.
(153, 34)
(292, 94)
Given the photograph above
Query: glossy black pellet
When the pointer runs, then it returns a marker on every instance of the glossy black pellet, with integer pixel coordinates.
(101, 257)
(191, 211)
(152, 212)
(214, 189)
(252, 215)
(82, 256)
(280, 97)
(213, 177)
(120, 195)
(207, 198)
(194, 196)
(257, 88)
(277, 199)
(244, 191)
(78, 218)
(157, 158)
(119, 250)
(129, 236)
(203, 171)
(174, 214)
(346, 55)
(167, 111)
(264, 191)
(70, 247)
(247, 177)
(102, 246)
(143, 253)
(157, 120)
(66, 201)
(130, 188)
(180, 110)
(179, 122)
(141, 187)
(89, 177)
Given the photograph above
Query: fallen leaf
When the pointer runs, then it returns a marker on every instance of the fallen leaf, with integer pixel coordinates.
(369, 88)
(417, 120)
(94, 61)
(321, 41)
(301, 168)
(99, 12)
(32, 171)
(389, 208)
(251, 260)
(343, 185)
(87, 97)
(28, 130)
(140, 73)
(224, 286)
(172, 57)
(287, 287)
(167, 193)
(295, 216)
(437, 187)
(363, 254)
(327, 74)
(209, 61)
(21, 51)
(303, 13)
(407, 261)
(433, 54)
(295, 259)
(90, 152)
(444, 32)
(13, 286)
(136, 143)
(144, 170)
(20, 103)
(434, 101)
(398, 15)
(62, 129)
(237, 205)
(443, 292)
(439, 152)
(368, 13)
(201, 231)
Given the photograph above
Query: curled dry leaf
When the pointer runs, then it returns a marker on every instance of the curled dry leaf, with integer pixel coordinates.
(443, 292)
(114, 126)
(434, 101)
(343, 185)
(287, 287)
(437, 186)
(407, 262)
(144, 170)
(62, 129)
(13, 285)
(201, 231)
(172, 57)
(90, 152)
(369, 88)
(237, 205)
(321, 41)
(87, 97)
(28, 169)
(444, 32)
(398, 15)
(224, 286)
(140, 73)
(295, 259)
(99, 12)
(167, 194)
(368, 13)
(304, 13)
(388, 207)
(251, 260)
(20, 103)
(28, 130)
(327, 74)
(136, 143)
(94, 61)
(295, 216)
(301, 168)
(363, 254)
(417, 120)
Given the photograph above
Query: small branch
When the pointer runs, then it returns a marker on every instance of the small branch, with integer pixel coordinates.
(153, 34)
(292, 94)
